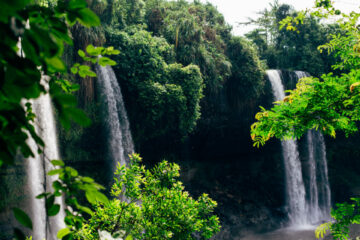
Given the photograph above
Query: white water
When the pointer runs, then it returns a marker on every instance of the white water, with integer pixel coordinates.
(119, 140)
(319, 187)
(295, 189)
(304, 210)
(319, 200)
(44, 227)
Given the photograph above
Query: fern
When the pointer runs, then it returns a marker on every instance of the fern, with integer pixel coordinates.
(322, 229)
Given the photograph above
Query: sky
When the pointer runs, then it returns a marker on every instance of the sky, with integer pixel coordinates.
(236, 11)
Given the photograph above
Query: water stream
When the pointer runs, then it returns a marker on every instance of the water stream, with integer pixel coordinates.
(120, 143)
(38, 181)
(306, 204)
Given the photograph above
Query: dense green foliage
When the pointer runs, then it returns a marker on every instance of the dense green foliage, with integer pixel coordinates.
(153, 86)
(328, 104)
(246, 81)
(198, 33)
(293, 50)
(42, 45)
(72, 187)
(164, 34)
(156, 206)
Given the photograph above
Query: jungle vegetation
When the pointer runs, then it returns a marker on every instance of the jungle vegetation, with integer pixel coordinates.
(167, 53)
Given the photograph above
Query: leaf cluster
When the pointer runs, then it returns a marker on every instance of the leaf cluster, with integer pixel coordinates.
(42, 31)
(71, 186)
(157, 92)
(156, 206)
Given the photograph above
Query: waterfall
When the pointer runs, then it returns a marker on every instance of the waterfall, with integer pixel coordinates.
(120, 142)
(324, 192)
(295, 189)
(319, 187)
(306, 204)
(44, 227)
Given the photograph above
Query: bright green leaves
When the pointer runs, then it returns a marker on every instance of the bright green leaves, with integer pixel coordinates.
(70, 185)
(55, 64)
(43, 32)
(323, 4)
(67, 86)
(104, 61)
(57, 163)
(345, 214)
(63, 232)
(328, 105)
(76, 10)
(93, 51)
(94, 196)
(157, 207)
(93, 56)
(22, 218)
(88, 18)
(81, 53)
(322, 229)
(84, 71)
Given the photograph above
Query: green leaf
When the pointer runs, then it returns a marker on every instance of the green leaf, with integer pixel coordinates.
(95, 196)
(74, 70)
(22, 217)
(76, 4)
(57, 185)
(63, 232)
(87, 179)
(88, 18)
(55, 172)
(104, 61)
(81, 53)
(85, 71)
(55, 64)
(53, 210)
(94, 51)
(57, 163)
(129, 237)
(85, 209)
(43, 195)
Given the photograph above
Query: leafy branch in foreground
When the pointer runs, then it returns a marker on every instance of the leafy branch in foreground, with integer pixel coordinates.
(328, 104)
(156, 207)
(43, 32)
(72, 187)
(344, 215)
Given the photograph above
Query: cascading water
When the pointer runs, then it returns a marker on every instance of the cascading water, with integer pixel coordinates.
(319, 199)
(295, 189)
(44, 227)
(319, 187)
(302, 209)
(120, 140)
